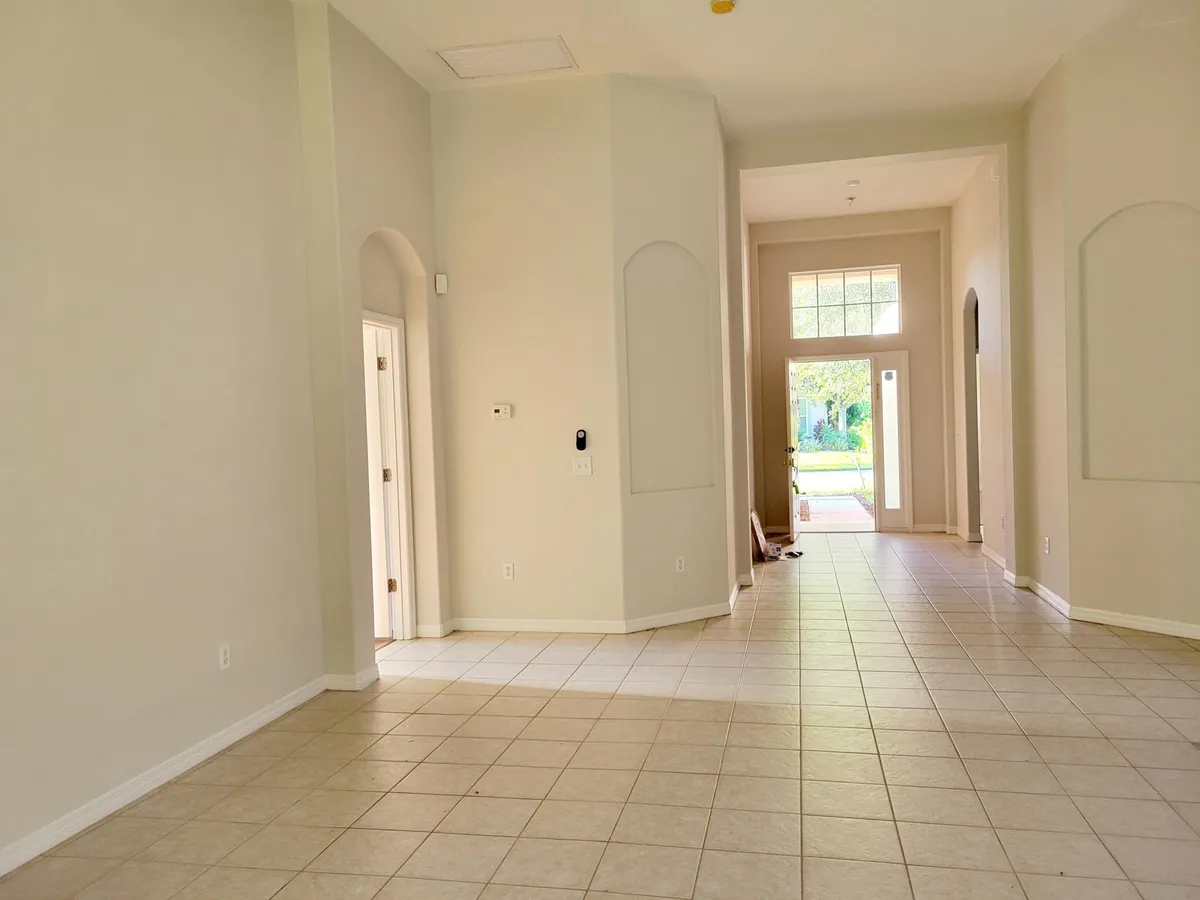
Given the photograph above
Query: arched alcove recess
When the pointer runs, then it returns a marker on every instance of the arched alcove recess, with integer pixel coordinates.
(669, 371)
(970, 358)
(1139, 317)
(394, 282)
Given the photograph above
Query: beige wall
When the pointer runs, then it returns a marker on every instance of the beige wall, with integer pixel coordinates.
(976, 264)
(525, 231)
(157, 475)
(1132, 125)
(912, 240)
(384, 170)
(1045, 493)
(671, 311)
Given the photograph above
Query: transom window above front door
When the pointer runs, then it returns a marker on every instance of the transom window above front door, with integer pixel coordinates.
(850, 303)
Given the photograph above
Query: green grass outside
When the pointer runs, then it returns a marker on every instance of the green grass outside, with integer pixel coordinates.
(829, 461)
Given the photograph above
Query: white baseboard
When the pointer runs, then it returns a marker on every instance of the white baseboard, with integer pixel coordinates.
(1021, 581)
(596, 626)
(677, 617)
(993, 556)
(355, 682)
(562, 626)
(733, 594)
(437, 630)
(1050, 597)
(24, 849)
(746, 580)
(930, 529)
(1138, 623)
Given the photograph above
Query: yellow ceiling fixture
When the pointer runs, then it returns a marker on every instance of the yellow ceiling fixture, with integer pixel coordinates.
(720, 7)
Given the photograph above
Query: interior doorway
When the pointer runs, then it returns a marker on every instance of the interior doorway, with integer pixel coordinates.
(848, 455)
(389, 479)
(973, 426)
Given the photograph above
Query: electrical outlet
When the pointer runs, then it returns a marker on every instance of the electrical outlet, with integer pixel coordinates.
(1047, 545)
(679, 565)
(510, 571)
(223, 657)
(1001, 520)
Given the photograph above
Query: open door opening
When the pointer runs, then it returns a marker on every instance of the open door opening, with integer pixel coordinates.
(388, 479)
(831, 430)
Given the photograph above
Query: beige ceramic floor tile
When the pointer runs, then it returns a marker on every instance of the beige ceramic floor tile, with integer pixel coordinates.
(754, 832)
(518, 782)
(361, 851)
(220, 883)
(1042, 812)
(854, 880)
(335, 809)
(1157, 861)
(120, 837)
(53, 878)
(578, 820)
(667, 826)
(424, 889)
(674, 789)
(956, 846)
(844, 799)
(312, 886)
(282, 847)
(502, 817)
(724, 874)
(861, 839)
(408, 812)
(203, 843)
(541, 862)
(956, 884)
(1057, 887)
(654, 871)
(143, 880)
(253, 805)
(457, 857)
(938, 806)
(1053, 853)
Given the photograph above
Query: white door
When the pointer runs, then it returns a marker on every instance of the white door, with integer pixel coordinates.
(388, 477)
(893, 464)
(790, 457)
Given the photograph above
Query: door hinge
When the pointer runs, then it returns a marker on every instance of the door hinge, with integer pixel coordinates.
(392, 586)
(381, 363)
(387, 474)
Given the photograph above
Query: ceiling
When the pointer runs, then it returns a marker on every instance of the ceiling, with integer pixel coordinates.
(819, 190)
(770, 63)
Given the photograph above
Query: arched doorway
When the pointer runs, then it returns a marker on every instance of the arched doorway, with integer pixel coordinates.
(394, 292)
(972, 424)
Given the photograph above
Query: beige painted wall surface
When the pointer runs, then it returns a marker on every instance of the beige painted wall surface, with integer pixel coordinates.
(666, 169)
(919, 256)
(975, 254)
(1132, 125)
(383, 141)
(525, 229)
(1045, 495)
(157, 474)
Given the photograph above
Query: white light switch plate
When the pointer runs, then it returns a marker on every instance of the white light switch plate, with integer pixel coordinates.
(582, 465)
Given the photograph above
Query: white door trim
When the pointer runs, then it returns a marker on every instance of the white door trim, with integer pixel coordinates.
(394, 425)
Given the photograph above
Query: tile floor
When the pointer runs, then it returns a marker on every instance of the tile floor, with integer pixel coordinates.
(883, 719)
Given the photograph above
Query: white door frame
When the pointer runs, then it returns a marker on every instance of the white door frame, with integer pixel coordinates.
(397, 457)
(880, 360)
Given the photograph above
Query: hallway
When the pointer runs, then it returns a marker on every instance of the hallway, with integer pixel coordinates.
(882, 719)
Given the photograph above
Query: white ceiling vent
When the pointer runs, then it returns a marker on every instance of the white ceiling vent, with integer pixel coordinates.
(513, 58)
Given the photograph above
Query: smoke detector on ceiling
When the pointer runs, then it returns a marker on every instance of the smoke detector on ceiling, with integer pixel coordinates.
(511, 58)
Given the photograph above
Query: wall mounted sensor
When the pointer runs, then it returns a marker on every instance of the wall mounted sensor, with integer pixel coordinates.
(581, 439)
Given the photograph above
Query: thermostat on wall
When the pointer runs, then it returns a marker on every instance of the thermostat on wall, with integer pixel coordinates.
(502, 411)
(440, 283)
